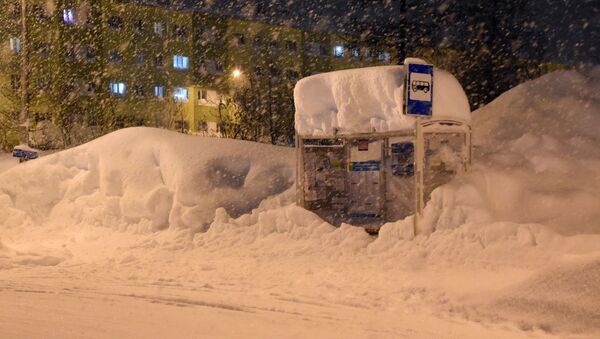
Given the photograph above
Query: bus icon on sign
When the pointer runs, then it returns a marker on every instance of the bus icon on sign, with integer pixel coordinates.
(417, 85)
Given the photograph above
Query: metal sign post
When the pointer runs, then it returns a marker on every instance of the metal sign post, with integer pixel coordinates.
(419, 103)
(419, 159)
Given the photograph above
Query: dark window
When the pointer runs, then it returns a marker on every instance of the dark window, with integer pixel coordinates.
(15, 82)
(91, 87)
(139, 58)
(139, 25)
(203, 94)
(323, 51)
(42, 83)
(138, 91)
(181, 125)
(291, 75)
(115, 57)
(291, 46)
(41, 116)
(14, 10)
(115, 22)
(42, 49)
(238, 39)
(159, 60)
(180, 32)
(260, 9)
(90, 53)
(70, 53)
(39, 13)
(88, 89)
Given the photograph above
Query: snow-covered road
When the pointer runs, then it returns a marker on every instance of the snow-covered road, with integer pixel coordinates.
(64, 303)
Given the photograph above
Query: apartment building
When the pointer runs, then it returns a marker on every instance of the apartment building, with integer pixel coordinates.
(106, 60)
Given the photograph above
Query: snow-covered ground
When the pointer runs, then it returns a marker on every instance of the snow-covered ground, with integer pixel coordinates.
(7, 161)
(147, 233)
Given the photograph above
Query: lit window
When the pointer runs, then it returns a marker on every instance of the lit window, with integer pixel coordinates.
(159, 28)
(159, 91)
(15, 45)
(180, 94)
(69, 16)
(384, 56)
(181, 62)
(338, 51)
(117, 88)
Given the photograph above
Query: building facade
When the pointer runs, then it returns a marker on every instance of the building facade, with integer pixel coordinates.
(100, 65)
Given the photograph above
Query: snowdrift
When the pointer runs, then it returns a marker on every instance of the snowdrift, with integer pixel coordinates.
(145, 180)
(536, 161)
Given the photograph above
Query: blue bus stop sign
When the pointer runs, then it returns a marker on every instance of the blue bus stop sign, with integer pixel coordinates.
(419, 90)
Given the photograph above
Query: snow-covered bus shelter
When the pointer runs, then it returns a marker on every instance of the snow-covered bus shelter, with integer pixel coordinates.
(357, 153)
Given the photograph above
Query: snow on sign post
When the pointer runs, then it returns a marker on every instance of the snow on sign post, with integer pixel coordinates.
(418, 103)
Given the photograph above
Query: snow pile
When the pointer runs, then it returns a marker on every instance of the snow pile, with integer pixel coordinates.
(369, 99)
(144, 179)
(7, 161)
(562, 297)
(537, 161)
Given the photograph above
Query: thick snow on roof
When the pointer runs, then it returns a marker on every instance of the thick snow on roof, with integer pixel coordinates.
(369, 99)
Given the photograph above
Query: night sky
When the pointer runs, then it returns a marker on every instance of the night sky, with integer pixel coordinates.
(564, 31)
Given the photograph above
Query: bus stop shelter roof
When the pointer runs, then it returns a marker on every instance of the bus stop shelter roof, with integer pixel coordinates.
(367, 100)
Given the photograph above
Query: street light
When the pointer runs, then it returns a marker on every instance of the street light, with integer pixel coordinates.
(23, 151)
(24, 73)
(236, 73)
